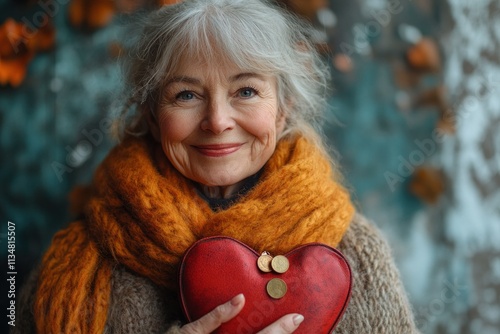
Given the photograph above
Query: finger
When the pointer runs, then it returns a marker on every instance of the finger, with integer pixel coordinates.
(286, 324)
(222, 313)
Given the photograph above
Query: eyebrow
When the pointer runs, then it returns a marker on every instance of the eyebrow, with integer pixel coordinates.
(233, 78)
(247, 75)
(185, 79)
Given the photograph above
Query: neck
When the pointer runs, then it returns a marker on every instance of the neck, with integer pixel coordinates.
(222, 191)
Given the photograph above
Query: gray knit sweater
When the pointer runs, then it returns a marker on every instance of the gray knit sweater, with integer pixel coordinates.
(378, 302)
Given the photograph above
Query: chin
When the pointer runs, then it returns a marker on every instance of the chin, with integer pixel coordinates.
(222, 180)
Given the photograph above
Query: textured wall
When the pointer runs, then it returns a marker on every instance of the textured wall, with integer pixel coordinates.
(467, 245)
(448, 251)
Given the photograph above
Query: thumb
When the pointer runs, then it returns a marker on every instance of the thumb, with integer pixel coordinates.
(219, 315)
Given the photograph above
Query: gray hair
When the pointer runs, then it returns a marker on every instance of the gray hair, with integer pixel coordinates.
(254, 35)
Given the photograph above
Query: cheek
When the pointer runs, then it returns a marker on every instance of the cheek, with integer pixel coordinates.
(175, 127)
(262, 124)
(263, 127)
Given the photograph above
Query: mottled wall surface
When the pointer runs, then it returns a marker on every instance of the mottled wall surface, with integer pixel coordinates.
(55, 127)
(471, 159)
(449, 251)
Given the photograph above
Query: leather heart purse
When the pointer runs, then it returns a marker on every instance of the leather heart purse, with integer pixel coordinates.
(313, 280)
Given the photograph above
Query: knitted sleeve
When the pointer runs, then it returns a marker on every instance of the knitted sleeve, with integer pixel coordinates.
(138, 306)
(379, 303)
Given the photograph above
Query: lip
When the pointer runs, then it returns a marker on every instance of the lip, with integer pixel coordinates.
(218, 150)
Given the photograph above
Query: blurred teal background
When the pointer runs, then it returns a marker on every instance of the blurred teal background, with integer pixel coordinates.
(445, 238)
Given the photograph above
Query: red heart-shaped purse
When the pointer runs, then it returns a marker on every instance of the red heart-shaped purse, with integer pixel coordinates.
(317, 285)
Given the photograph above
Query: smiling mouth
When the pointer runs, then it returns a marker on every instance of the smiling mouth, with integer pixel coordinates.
(217, 150)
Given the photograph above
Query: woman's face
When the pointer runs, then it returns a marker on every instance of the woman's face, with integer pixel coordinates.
(218, 124)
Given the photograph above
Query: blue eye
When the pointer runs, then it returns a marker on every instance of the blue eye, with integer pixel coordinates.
(247, 92)
(185, 95)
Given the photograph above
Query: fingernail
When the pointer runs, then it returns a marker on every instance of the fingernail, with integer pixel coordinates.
(297, 320)
(237, 300)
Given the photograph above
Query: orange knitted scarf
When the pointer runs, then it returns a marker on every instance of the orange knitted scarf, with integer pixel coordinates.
(142, 214)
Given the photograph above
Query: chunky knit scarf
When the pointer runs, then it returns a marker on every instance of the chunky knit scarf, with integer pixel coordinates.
(142, 214)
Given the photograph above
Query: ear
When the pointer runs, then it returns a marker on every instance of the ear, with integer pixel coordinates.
(152, 122)
(280, 122)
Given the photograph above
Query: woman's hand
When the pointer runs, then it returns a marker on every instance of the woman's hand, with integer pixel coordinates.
(225, 312)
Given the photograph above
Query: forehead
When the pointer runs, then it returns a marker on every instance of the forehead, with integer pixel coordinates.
(215, 69)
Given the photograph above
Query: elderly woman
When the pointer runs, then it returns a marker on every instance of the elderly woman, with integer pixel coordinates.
(221, 142)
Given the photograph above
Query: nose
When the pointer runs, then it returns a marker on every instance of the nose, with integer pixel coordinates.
(218, 116)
